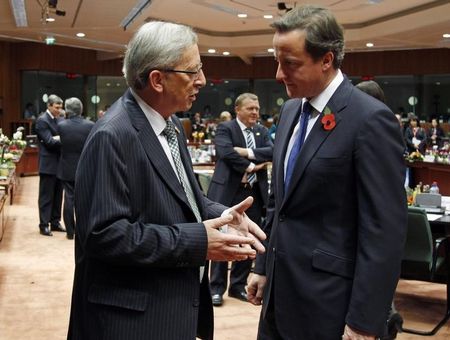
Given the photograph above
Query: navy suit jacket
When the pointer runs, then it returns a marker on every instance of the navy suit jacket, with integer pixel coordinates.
(230, 166)
(335, 238)
(73, 132)
(138, 246)
(49, 148)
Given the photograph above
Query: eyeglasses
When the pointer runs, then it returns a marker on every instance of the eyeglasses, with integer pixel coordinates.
(194, 74)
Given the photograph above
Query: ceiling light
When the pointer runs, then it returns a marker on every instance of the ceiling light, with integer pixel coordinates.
(211, 50)
(242, 15)
(374, 2)
(270, 50)
(268, 16)
(81, 35)
(50, 19)
(446, 35)
(20, 15)
(369, 44)
(226, 53)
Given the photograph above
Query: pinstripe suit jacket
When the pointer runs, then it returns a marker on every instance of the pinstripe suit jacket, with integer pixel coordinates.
(138, 245)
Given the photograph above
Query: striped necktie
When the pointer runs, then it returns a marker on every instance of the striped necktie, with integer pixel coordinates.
(251, 177)
(171, 136)
(301, 134)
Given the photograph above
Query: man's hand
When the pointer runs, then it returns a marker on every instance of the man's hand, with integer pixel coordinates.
(225, 247)
(255, 289)
(260, 166)
(241, 151)
(242, 225)
(353, 334)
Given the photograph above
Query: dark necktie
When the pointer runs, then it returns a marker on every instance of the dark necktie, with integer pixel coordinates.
(304, 117)
(171, 136)
(251, 176)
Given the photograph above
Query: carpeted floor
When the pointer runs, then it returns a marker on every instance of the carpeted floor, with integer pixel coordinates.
(36, 275)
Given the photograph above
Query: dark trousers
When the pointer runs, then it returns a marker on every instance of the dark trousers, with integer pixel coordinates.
(68, 212)
(50, 200)
(239, 269)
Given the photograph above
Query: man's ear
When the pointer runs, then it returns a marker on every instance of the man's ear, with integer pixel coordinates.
(156, 80)
(327, 61)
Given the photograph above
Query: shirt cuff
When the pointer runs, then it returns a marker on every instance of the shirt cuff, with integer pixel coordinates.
(251, 154)
(250, 167)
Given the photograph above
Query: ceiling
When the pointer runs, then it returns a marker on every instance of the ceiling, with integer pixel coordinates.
(388, 24)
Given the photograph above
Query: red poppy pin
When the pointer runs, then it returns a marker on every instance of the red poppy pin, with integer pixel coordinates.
(328, 121)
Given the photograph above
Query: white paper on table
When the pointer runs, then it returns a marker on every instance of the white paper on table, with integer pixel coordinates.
(433, 217)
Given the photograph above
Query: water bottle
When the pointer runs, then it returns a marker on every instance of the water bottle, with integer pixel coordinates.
(434, 189)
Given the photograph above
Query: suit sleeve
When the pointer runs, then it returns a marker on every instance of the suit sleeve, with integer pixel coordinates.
(45, 136)
(382, 220)
(224, 149)
(264, 152)
(107, 228)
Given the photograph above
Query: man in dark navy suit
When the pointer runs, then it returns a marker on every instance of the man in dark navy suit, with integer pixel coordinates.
(50, 187)
(337, 212)
(73, 133)
(243, 148)
(144, 228)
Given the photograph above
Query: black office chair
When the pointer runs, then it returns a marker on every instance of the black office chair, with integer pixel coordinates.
(424, 257)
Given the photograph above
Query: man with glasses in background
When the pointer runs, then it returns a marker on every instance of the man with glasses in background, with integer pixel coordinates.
(144, 227)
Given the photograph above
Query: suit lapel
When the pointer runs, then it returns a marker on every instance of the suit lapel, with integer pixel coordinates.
(152, 147)
(318, 135)
(237, 131)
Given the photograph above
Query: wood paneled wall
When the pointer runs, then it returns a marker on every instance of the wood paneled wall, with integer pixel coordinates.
(16, 57)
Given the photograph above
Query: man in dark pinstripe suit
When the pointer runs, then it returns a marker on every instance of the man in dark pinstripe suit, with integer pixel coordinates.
(141, 245)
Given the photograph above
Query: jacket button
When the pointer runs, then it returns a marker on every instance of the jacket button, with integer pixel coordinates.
(274, 249)
(281, 218)
(196, 303)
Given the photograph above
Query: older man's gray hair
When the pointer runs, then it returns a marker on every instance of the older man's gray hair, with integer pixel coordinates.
(73, 106)
(157, 45)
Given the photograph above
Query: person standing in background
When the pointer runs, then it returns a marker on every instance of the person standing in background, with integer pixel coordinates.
(337, 212)
(73, 133)
(243, 149)
(435, 134)
(50, 187)
(395, 320)
(415, 136)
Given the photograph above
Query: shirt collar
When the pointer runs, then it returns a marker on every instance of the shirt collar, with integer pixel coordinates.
(241, 125)
(319, 102)
(50, 114)
(157, 122)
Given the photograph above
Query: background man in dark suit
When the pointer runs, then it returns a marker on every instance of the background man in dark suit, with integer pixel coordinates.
(141, 245)
(337, 214)
(50, 187)
(240, 172)
(73, 132)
